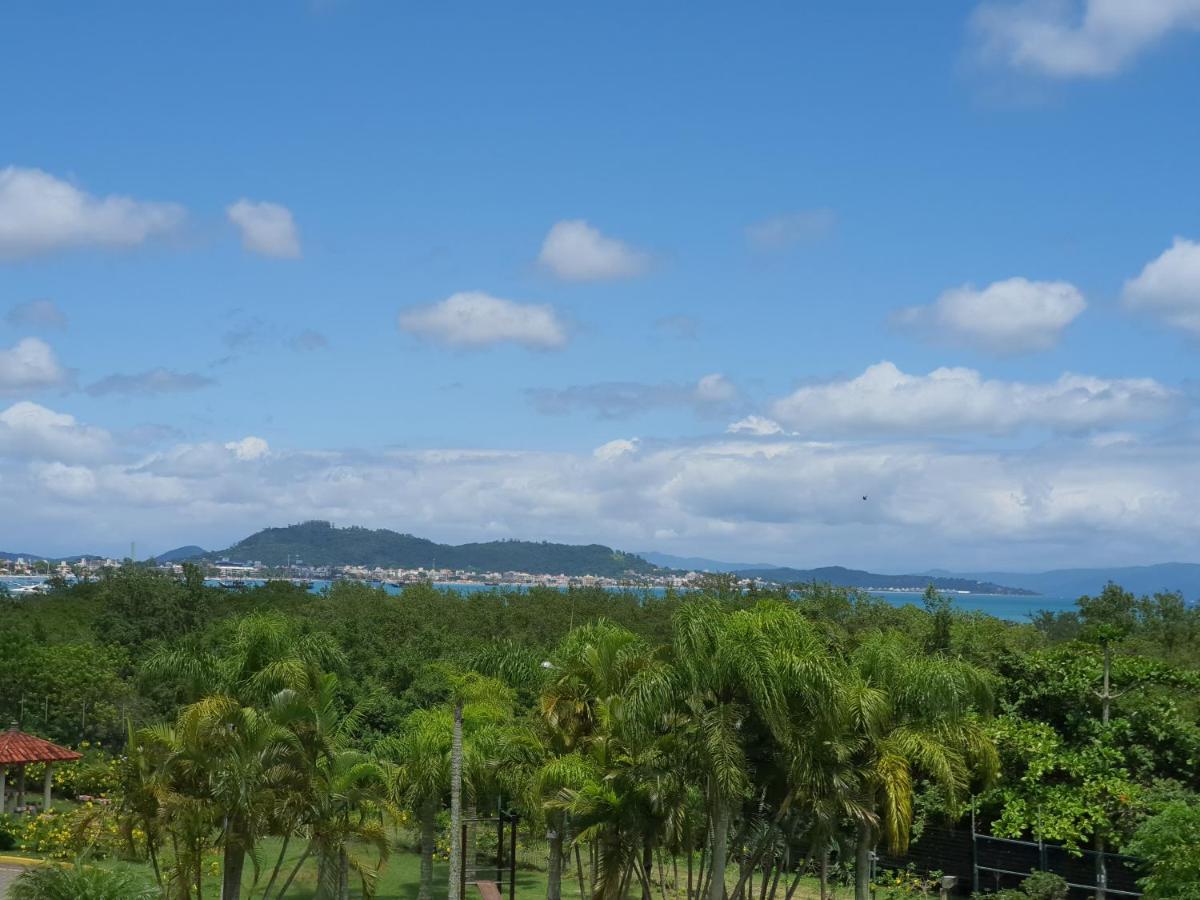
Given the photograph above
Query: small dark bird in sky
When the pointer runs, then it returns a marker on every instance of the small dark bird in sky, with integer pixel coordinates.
(864, 496)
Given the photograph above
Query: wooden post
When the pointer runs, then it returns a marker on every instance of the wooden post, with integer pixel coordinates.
(512, 858)
(46, 787)
(3, 786)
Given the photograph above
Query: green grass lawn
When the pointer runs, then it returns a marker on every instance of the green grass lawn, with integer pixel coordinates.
(400, 878)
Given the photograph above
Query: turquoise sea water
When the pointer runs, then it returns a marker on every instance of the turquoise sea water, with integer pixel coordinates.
(1003, 606)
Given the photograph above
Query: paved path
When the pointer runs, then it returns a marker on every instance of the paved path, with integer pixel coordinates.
(7, 877)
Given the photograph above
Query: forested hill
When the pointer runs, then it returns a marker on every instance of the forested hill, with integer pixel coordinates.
(321, 544)
(839, 576)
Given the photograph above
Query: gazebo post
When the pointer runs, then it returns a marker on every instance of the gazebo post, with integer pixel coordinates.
(18, 751)
(46, 787)
(3, 787)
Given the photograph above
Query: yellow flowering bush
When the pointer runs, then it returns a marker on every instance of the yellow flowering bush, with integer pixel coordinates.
(89, 829)
(894, 884)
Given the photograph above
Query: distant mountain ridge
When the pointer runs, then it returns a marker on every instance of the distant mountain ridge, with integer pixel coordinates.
(319, 543)
(4, 554)
(839, 576)
(697, 563)
(1182, 577)
(181, 554)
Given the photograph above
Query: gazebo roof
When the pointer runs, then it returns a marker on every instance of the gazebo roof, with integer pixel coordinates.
(18, 748)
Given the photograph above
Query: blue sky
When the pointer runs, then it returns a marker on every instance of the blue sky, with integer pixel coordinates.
(666, 278)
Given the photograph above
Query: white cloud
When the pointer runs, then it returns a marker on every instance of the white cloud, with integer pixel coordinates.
(716, 389)
(153, 381)
(249, 448)
(268, 229)
(476, 319)
(1169, 287)
(30, 430)
(30, 365)
(616, 449)
(762, 497)
(1011, 316)
(36, 314)
(756, 425)
(575, 251)
(783, 231)
(713, 393)
(1068, 39)
(884, 400)
(40, 213)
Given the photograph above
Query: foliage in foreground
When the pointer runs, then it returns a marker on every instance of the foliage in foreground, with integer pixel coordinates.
(744, 736)
(79, 882)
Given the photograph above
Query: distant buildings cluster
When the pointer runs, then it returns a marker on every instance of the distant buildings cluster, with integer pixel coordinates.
(236, 571)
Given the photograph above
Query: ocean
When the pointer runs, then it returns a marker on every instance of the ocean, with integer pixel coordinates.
(1015, 608)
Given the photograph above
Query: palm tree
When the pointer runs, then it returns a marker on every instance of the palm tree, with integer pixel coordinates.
(266, 653)
(244, 761)
(602, 679)
(351, 803)
(426, 751)
(344, 795)
(765, 664)
(916, 714)
(420, 777)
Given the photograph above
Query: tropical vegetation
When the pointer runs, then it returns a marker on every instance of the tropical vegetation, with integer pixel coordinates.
(733, 743)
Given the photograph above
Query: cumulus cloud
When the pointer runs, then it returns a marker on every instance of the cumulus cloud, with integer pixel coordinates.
(30, 430)
(756, 425)
(249, 448)
(616, 449)
(1068, 39)
(153, 381)
(782, 497)
(36, 314)
(712, 393)
(575, 251)
(1169, 287)
(884, 400)
(783, 231)
(267, 229)
(476, 319)
(40, 213)
(1006, 317)
(30, 365)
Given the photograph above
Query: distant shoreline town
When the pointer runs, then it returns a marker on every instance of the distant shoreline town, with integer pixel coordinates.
(233, 573)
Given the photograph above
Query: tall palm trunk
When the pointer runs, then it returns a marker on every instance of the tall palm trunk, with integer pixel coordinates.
(235, 863)
(862, 861)
(472, 848)
(428, 815)
(720, 850)
(647, 866)
(554, 837)
(456, 771)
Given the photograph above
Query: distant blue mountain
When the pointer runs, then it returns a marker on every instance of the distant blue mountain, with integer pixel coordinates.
(698, 563)
(180, 554)
(840, 576)
(1182, 577)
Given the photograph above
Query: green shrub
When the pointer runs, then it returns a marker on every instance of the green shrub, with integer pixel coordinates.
(10, 833)
(78, 883)
(1045, 886)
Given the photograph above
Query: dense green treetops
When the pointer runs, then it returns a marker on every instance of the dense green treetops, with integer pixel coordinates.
(756, 729)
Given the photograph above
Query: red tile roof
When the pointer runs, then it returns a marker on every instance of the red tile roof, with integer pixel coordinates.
(17, 748)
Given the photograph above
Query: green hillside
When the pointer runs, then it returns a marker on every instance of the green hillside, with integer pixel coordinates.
(319, 543)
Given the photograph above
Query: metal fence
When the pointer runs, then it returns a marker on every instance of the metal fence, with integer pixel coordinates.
(982, 862)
